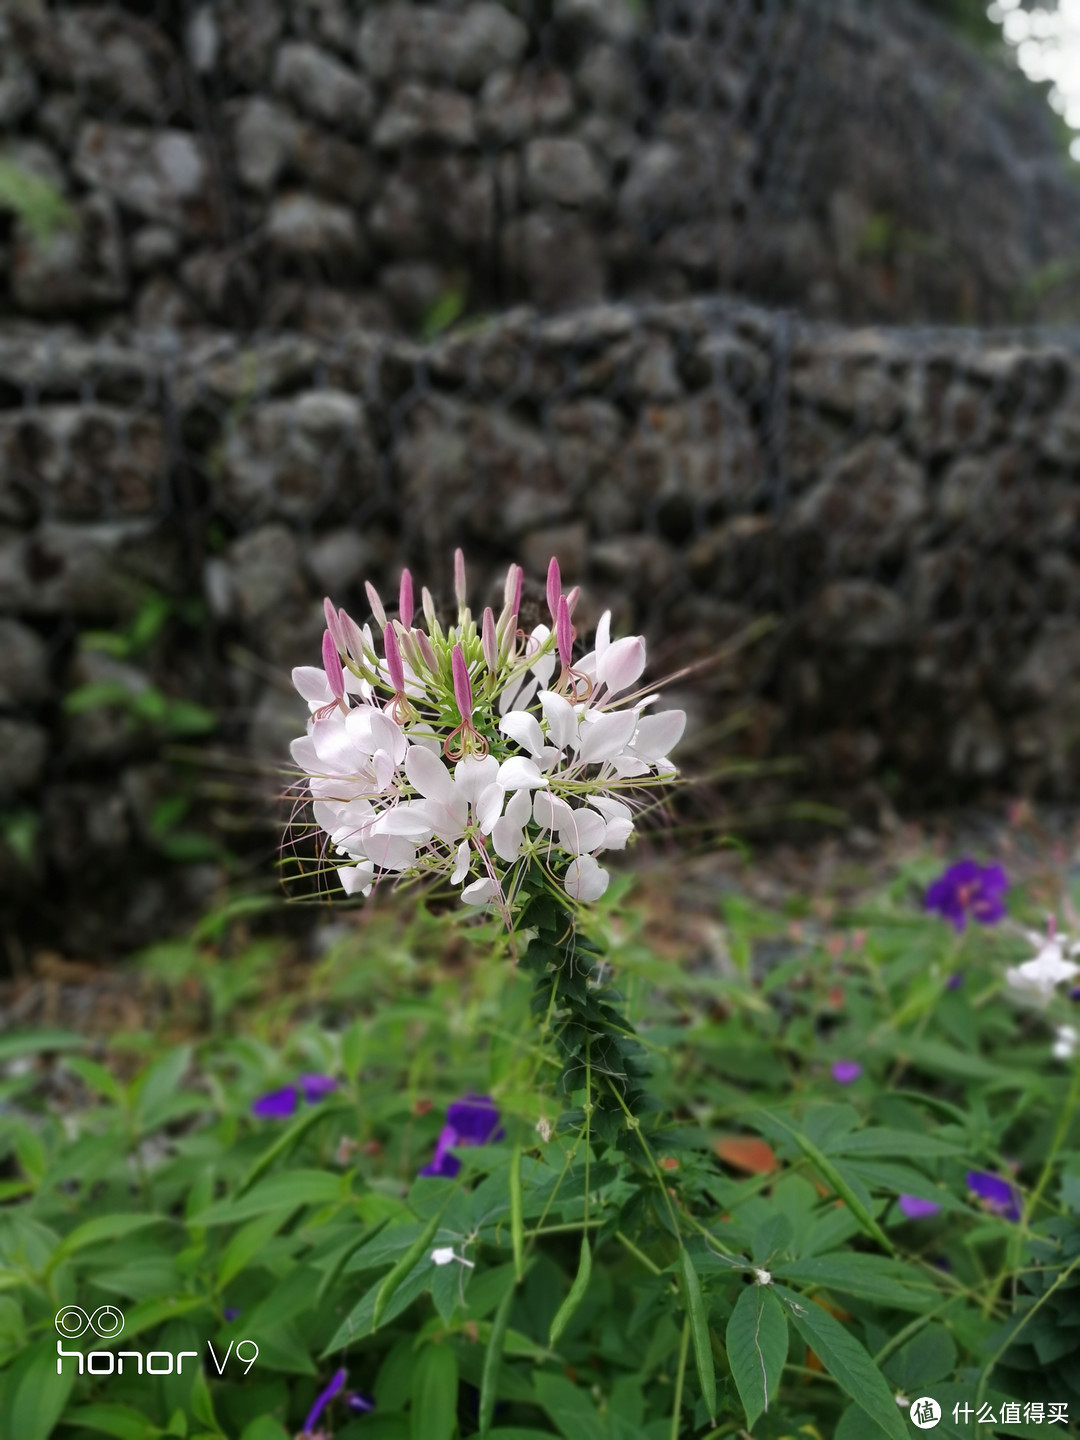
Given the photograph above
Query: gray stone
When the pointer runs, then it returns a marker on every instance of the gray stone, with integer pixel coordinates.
(865, 508)
(857, 615)
(162, 308)
(1051, 666)
(460, 46)
(554, 259)
(264, 573)
(516, 105)
(414, 287)
(36, 159)
(338, 561)
(23, 750)
(24, 665)
(108, 730)
(567, 543)
(18, 88)
(86, 572)
(79, 267)
(563, 171)
(633, 561)
(224, 284)
(154, 247)
(303, 227)
(702, 449)
(978, 747)
(264, 138)
(608, 81)
(111, 57)
(606, 19)
(249, 36)
(297, 458)
(429, 201)
(86, 462)
(161, 174)
(417, 113)
(319, 85)
(334, 167)
(202, 40)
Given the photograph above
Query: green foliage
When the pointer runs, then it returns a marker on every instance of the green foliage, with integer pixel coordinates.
(33, 200)
(450, 306)
(622, 1280)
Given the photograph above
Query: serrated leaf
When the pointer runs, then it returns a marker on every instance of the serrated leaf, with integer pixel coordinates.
(287, 1141)
(757, 1347)
(120, 1421)
(103, 1227)
(872, 1277)
(291, 1188)
(34, 1394)
(571, 1409)
(846, 1361)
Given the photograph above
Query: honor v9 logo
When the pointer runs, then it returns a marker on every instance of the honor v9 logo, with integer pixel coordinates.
(108, 1323)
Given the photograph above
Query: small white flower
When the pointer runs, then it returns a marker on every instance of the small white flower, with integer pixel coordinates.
(762, 1277)
(1040, 976)
(545, 1129)
(443, 1256)
(1066, 1040)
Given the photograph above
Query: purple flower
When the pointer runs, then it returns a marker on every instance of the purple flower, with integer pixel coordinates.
(954, 981)
(997, 1195)
(337, 1384)
(968, 888)
(915, 1208)
(846, 1072)
(1074, 993)
(472, 1121)
(280, 1104)
(277, 1105)
(229, 1314)
(362, 1404)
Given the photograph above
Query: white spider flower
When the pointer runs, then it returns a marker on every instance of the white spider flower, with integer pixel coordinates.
(477, 750)
(1040, 976)
(1066, 1041)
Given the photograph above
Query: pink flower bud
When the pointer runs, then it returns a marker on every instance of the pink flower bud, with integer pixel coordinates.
(460, 589)
(333, 624)
(572, 599)
(393, 659)
(405, 600)
(423, 644)
(564, 635)
(427, 604)
(512, 584)
(332, 665)
(353, 639)
(376, 604)
(554, 588)
(489, 640)
(516, 607)
(462, 686)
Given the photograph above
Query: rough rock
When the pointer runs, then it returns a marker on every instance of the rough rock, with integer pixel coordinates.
(264, 572)
(303, 227)
(79, 267)
(608, 19)
(319, 85)
(263, 138)
(858, 615)
(23, 750)
(563, 171)
(116, 60)
(18, 88)
(417, 113)
(515, 105)
(91, 462)
(24, 665)
(429, 201)
(554, 259)
(160, 174)
(865, 508)
(461, 46)
(298, 458)
(85, 572)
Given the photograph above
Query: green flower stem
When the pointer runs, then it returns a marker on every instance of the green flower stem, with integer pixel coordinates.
(680, 1376)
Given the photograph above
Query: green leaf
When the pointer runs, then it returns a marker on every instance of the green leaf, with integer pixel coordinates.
(119, 1420)
(34, 1394)
(489, 1384)
(96, 1077)
(278, 1192)
(571, 1409)
(398, 1273)
(156, 1088)
(435, 1391)
(104, 1227)
(757, 1347)
(699, 1331)
(846, 1361)
(264, 1429)
(12, 1046)
(871, 1277)
(247, 1243)
(577, 1292)
(287, 1141)
(517, 1225)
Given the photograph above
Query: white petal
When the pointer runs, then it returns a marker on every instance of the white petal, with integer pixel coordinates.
(305, 756)
(506, 835)
(409, 818)
(472, 775)
(443, 1256)
(657, 735)
(312, 684)
(525, 730)
(489, 807)
(583, 831)
(480, 892)
(461, 863)
(389, 852)
(617, 834)
(612, 808)
(622, 663)
(549, 811)
(429, 775)
(603, 634)
(585, 879)
(519, 773)
(561, 718)
(605, 736)
(357, 877)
